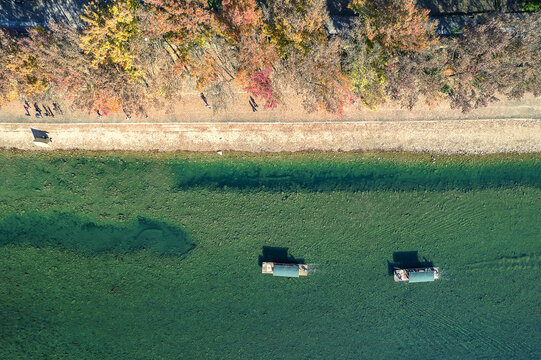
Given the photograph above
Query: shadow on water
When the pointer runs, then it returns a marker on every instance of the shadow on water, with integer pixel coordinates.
(277, 254)
(407, 259)
(353, 175)
(69, 231)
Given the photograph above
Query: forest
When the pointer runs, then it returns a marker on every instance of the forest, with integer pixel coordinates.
(135, 55)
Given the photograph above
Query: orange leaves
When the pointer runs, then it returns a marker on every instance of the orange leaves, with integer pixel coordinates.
(448, 72)
(242, 16)
(396, 24)
(184, 23)
(245, 30)
(21, 69)
(106, 104)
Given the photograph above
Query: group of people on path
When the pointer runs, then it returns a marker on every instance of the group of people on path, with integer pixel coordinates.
(128, 117)
(252, 102)
(46, 110)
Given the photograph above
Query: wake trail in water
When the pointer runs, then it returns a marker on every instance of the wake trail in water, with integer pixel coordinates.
(512, 263)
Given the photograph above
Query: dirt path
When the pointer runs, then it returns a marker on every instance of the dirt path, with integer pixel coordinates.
(191, 109)
(442, 136)
(506, 126)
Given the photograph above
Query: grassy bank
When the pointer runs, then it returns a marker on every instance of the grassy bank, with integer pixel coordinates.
(143, 256)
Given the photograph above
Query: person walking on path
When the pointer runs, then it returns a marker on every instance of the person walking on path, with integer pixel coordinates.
(27, 108)
(205, 100)
(56, 107)
(253, 107)
(128, 117)
(38, 111)
(253, 104)
(99, 114)
(50, 111)
(46, 110)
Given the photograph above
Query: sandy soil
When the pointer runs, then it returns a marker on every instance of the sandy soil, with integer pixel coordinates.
(443, 136)
(191, 109)
(506, 126)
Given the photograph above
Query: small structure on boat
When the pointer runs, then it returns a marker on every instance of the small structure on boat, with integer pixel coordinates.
(414, 275)
(284, 270)
(41, 138)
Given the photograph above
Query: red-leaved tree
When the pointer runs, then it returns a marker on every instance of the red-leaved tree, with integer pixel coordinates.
(261, 86)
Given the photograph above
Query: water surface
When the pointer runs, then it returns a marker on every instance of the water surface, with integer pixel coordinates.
(132, 257)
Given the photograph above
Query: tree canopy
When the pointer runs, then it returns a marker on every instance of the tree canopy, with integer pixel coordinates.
(132, 55)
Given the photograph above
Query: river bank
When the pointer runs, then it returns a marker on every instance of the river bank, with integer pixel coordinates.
(438, 137)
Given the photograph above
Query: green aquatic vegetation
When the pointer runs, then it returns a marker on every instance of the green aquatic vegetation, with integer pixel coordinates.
(353, 175)
(70, 231)
(131, 302)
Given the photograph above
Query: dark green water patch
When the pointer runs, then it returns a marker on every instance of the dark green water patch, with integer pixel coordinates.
(70, 231)
(355, 175)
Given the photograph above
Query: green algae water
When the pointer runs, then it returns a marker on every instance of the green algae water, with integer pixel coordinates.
(158, 257)
(71, 231)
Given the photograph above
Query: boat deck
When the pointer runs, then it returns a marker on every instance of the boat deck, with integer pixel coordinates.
(303, 270)
(268, 268)
(401, 275)
(404, 274)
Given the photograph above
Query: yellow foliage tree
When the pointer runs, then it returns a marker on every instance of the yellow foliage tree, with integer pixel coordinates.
(110, 30)
(20, 70)
(297, 24)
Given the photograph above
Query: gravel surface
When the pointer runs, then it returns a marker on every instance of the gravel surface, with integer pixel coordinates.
(451, 136)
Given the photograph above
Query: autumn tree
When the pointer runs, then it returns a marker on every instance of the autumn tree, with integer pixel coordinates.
(240, 17)
(413, 77)
(296, 25)
(395, 24)
(318, 77)
(110, 89)
(51, 61)
(118, 40)
(471, 63)
(219, 47)
(253, 56)
(21, 71)
(8, 78)
(245, 30)
(109, 29)
(261, 86)
(387, 31)
(364, 64)
(72, 74)
(524, 55)
(62, 61)
(183, 24)
(309, 63)
(498, 57)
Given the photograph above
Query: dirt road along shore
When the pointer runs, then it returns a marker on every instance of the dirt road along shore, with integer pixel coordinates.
(439, 137)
